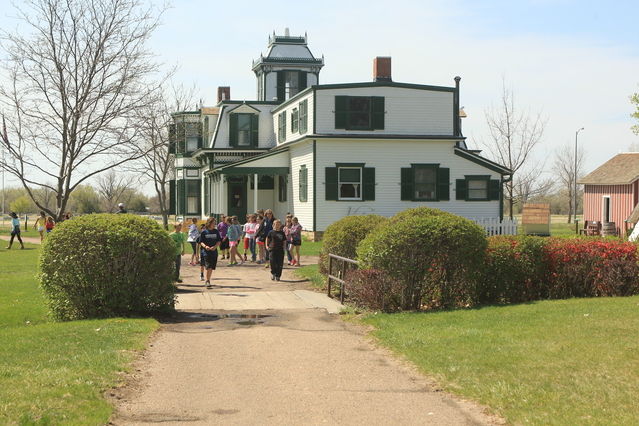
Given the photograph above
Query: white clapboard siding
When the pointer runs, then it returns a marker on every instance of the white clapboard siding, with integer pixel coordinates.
(408, 111)
(302, 154)
(290, 136)
(494, 226)
(265, 137)
(388, 157)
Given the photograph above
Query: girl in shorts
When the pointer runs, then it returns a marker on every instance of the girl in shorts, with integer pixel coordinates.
(15, 230)
(259, 239)
(209, 242)
(234, 235)
(40, 225)
(49, 224)
(249, 235)
(223, 228)
(295, 233)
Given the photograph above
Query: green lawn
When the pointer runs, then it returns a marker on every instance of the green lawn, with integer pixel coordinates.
(310, 248)
(563, 362)
(53, 373)
(311, 273)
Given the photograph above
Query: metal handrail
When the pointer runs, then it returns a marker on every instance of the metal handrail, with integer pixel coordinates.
(340, 272)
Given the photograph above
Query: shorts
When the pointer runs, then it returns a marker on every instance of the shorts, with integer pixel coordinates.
(224, 245)
(232, 243)
(260, 242)
(209, 258)
(40, 228)
(193, 246)
(296, 242)
(246, 243)
(15, 231)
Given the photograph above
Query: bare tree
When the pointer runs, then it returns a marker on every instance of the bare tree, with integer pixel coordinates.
(564, 169)
(157, 164)
(531, 183)
(513, 136)
(112, 187)
(76, 76)
(634, 100)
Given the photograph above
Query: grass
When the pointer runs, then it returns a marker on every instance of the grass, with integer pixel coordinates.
(552, 362)
(53, 373)
(310, 248)
(311, 273)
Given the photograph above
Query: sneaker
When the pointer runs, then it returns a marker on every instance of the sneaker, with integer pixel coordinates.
(259, 262)
(277, 278)
(208, 284)
(245, 259)
(201, 277)
(292, 262)
(267, 266)
(272, 277)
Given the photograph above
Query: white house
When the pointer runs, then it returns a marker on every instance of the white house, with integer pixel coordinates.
(322, 152)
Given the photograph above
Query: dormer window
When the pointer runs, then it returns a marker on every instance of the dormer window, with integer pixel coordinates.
(243, 130)
(359, 112)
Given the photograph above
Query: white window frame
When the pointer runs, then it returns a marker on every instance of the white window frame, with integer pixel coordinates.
(246, 132)
(192, 139)
(468, 189)
(180, 174)
(192, 173)
(339, 184)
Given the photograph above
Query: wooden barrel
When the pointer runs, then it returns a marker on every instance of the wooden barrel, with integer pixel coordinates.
(608, 228)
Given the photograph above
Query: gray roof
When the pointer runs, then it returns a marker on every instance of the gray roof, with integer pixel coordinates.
(621, 169)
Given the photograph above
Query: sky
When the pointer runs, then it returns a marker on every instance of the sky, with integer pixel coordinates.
(574, 62)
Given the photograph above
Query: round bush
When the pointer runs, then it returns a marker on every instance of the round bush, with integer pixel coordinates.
(436, 258)
(104, 265)
(419, 212)
(342, 237)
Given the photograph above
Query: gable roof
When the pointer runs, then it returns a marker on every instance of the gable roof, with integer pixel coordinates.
(621, 169)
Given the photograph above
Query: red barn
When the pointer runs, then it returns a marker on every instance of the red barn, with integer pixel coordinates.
(611, 191)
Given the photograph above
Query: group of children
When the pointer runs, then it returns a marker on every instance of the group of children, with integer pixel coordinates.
(43, 223)
(263, 236)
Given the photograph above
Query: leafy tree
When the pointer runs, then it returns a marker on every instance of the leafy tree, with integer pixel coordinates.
(22, 204)
(85, 200)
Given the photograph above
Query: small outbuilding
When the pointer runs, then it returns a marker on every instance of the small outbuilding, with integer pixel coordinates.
(611, 192)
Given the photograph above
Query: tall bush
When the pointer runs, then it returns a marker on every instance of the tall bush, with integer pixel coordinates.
(342, 237)
(374, 289)
(104, 265)
(436, 258)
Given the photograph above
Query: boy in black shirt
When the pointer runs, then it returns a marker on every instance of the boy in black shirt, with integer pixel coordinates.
(275, 241)
(209, 241)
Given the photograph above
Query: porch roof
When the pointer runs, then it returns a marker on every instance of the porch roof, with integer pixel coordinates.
(274, 162)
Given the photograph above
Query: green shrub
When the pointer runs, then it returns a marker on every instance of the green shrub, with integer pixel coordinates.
(342, 237)
(104, 265)
(516, 270)
(435, 257)
(373, 289)
(419, 212)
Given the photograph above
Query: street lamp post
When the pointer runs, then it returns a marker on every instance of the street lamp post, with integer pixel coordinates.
(575, 177)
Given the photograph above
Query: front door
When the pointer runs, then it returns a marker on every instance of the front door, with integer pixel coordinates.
(237, 197)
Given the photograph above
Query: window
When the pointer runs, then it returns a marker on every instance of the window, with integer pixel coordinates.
(192, 197)
(290, 83)
(359, 112)
(303, 116)
(425, 183)
(192, 143)
(281, 127)
(477, 189)
(303, 184)
(264, 182)
(349, 182)
(282, 189)
(294, 120)
(180, 174)
(192, 172)
(243, 131)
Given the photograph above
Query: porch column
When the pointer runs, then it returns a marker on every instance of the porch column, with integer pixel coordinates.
(255, 180)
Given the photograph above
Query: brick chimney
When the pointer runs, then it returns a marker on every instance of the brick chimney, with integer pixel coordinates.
(223, 93)
(382, 69)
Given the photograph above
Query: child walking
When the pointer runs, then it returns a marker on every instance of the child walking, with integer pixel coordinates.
(199, 240)
(178, 239)
(250, 228)
(210, 240)
(275, 241)
(223, 228)
(40, 224)
(234, 235)
(15, 230)
(287, 232)
(296, 240)
(259, 239)
(194, 234)
(49, 224)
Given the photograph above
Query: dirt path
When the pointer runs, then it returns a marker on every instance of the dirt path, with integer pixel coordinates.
(16, 243)
(275, 366)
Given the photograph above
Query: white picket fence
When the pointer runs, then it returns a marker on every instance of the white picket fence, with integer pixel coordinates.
(494, 226)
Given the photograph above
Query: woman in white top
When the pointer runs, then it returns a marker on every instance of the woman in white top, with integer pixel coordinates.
(39, 224)
(194, 234)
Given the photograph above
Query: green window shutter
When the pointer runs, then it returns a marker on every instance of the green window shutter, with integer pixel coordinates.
(181, 194)
(460, 189)
(303, 184)
(281, 85)
(283, 116)
(408, 184)
(368, 183)
(172, 196)
(377, 112)
(172, 137)
(303, 80)
(255, 126)
(304, 116)
(233, 129)
(443, 184)
(341, 112)
(494, 189)
(331, 183)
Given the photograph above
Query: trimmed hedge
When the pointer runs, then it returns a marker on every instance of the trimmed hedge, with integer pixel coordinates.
(521, 269)
(105, 265)
(373, 289)
(342, 237)
(435, 257)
